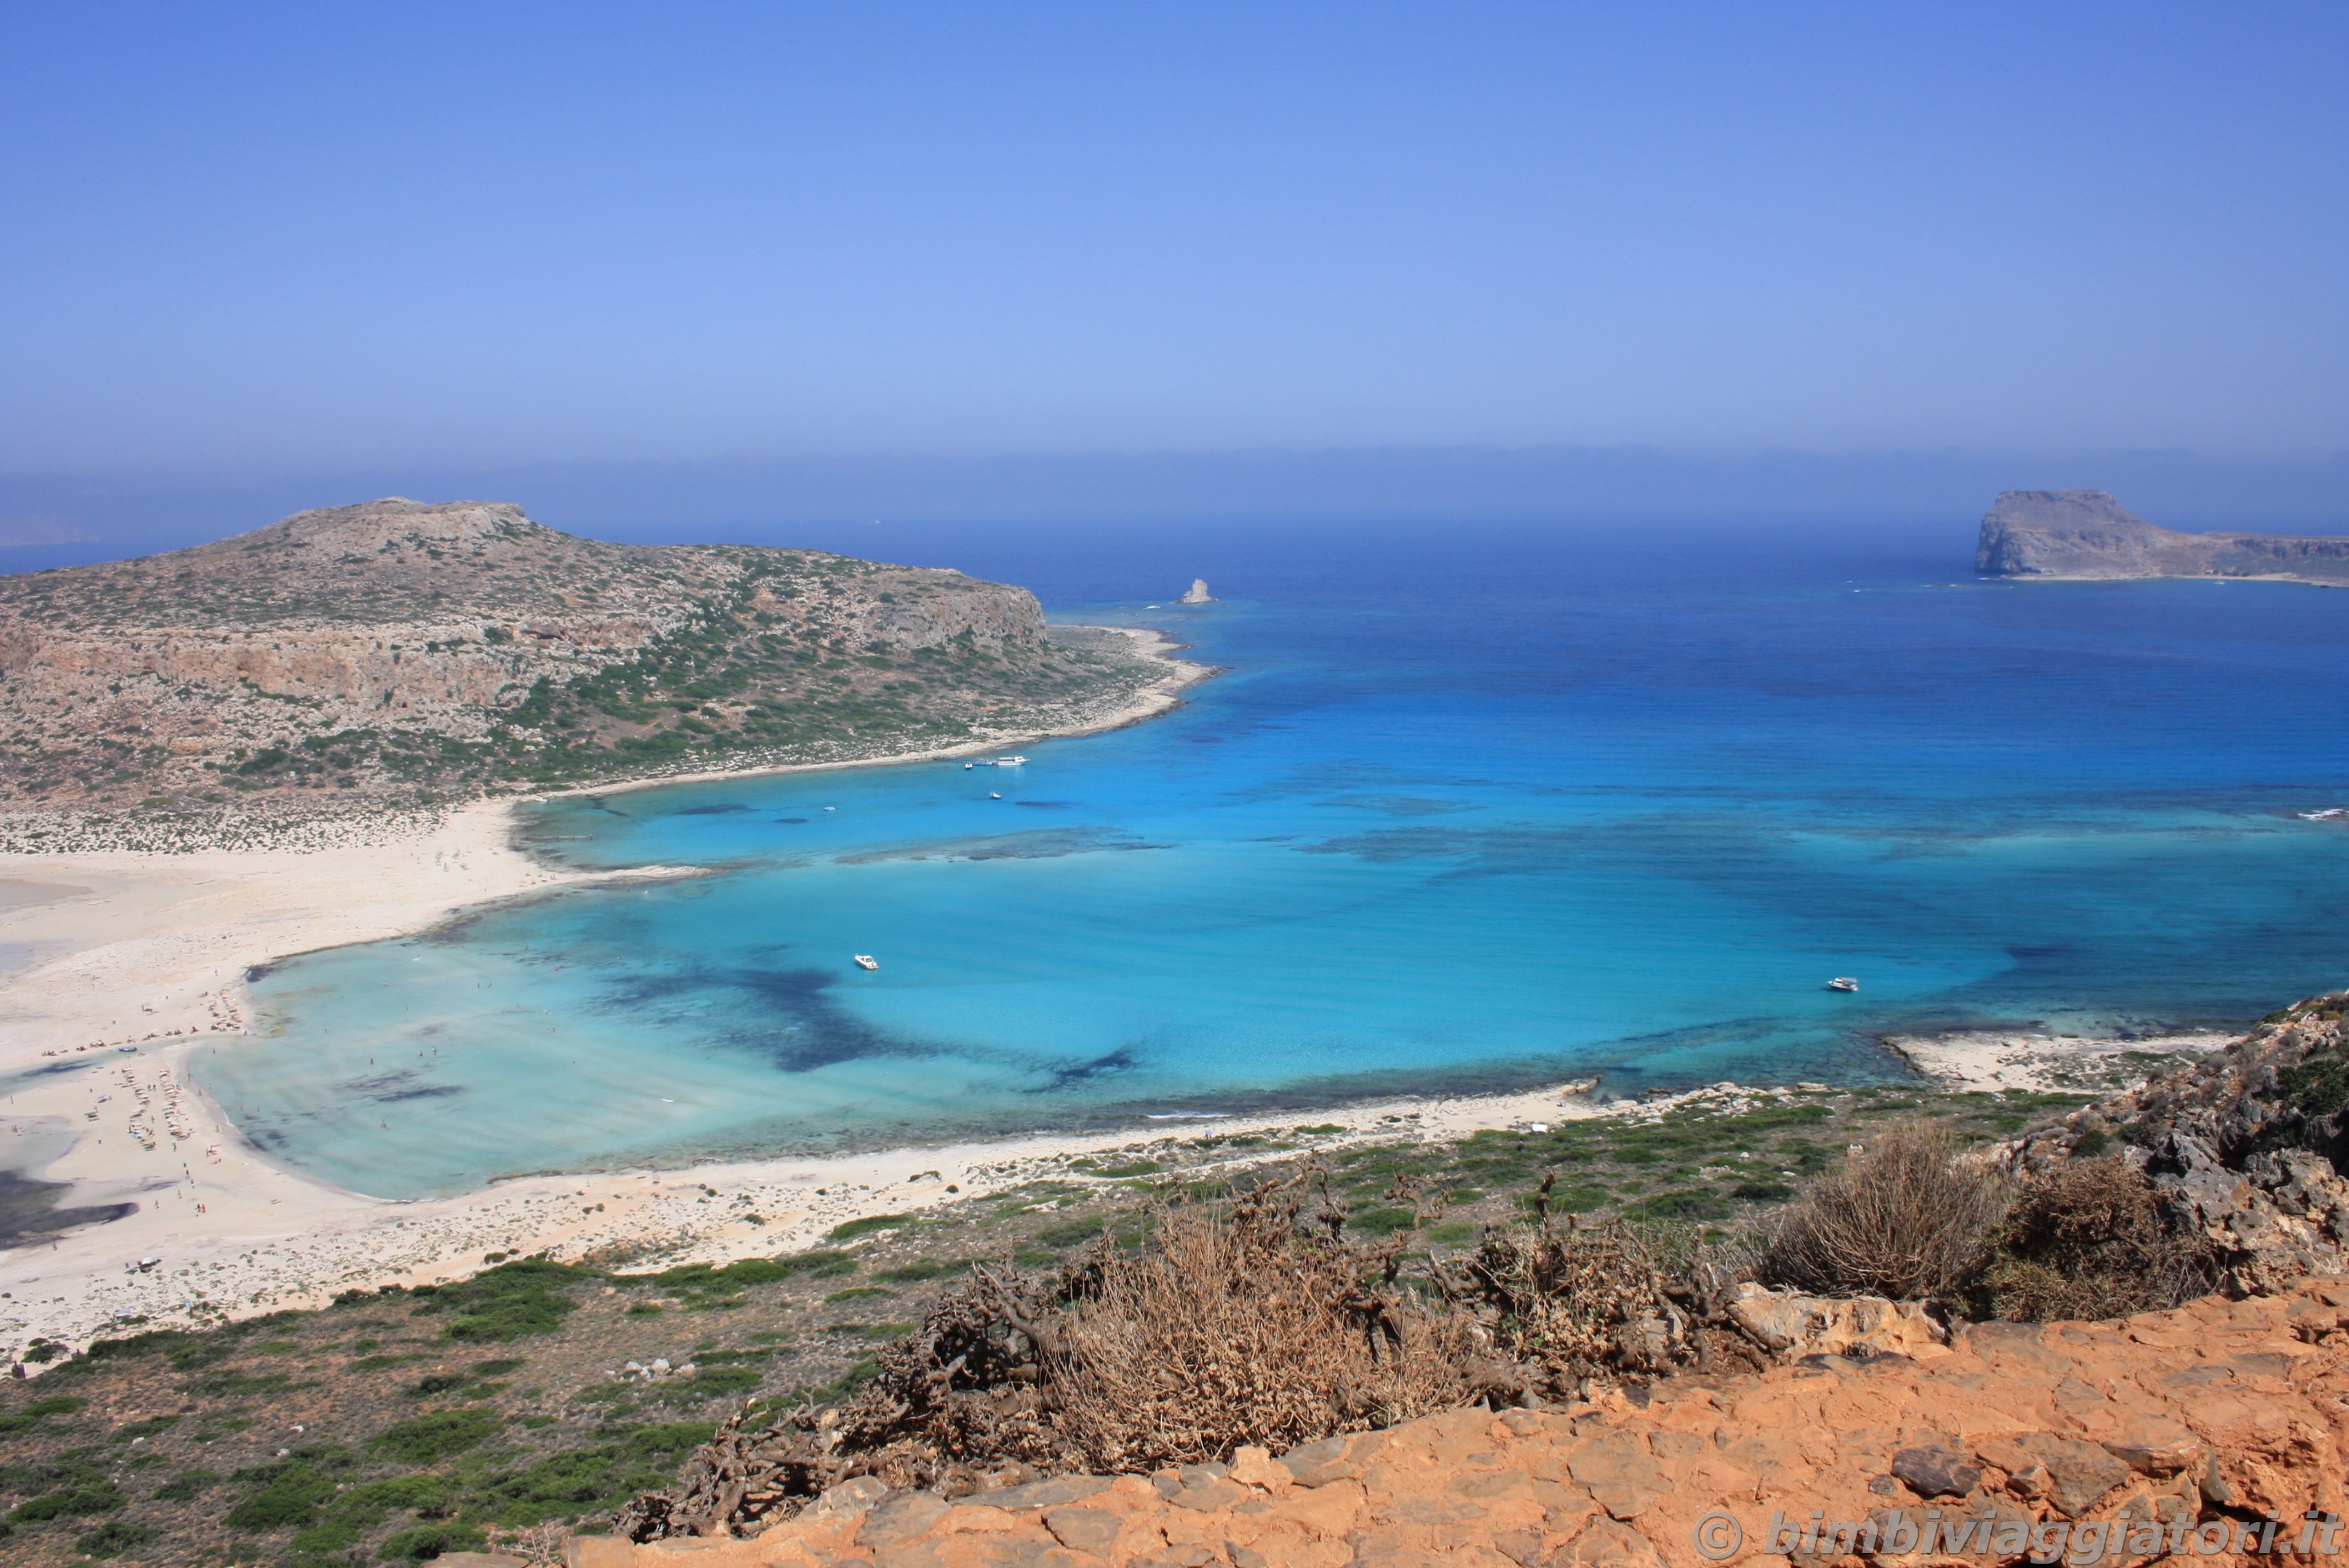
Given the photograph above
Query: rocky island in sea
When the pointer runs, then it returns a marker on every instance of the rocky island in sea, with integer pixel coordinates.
(2074, 533)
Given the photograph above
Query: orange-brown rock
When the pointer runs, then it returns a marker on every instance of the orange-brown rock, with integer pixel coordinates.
(2216, 1416)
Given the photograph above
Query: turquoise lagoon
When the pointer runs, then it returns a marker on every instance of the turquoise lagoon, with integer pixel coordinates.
(1557, 810)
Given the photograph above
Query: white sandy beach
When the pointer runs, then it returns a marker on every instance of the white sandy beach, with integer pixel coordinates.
(2043, 1061)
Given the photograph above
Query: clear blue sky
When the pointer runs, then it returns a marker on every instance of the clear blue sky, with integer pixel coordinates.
(251, 235)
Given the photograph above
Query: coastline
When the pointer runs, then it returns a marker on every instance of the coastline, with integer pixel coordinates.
(1156, 699)
(2158, 577)
(120, 961)
(151, 949)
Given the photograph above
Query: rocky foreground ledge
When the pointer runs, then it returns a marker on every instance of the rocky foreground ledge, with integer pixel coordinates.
(2180, 1433)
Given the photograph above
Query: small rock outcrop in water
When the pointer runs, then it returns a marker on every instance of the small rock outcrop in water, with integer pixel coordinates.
(2087, 533)
(1198, 593)
(2242, 1147)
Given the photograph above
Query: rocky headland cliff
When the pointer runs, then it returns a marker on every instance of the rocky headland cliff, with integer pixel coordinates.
(2087, 533)
(405, 650)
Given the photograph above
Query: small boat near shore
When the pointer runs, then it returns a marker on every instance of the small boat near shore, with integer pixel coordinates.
(1012, 760)
(1843, 982)
(865, 961)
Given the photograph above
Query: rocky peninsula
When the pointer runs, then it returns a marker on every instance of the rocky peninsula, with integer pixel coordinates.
(2086, 533)
(359, 660)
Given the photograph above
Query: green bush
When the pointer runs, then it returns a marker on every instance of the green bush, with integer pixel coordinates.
(185, 1485)
(113, 1539)
(427, 1439)
(631, 1460)
(1685, 1207)
(1072, 1233)
(509, 1301)
(332, 1536)
(1380, 1222)
(286, 1493)
(32, 1415)
(427, 1542)
(849, 1229)
(88, 1497)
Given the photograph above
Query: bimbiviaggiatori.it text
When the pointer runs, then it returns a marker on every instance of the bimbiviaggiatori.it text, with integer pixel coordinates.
(2085, 1543)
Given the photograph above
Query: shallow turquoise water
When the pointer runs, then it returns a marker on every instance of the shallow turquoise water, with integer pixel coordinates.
(1543, 814)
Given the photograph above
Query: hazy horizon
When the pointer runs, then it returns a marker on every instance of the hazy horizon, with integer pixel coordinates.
(48, 521)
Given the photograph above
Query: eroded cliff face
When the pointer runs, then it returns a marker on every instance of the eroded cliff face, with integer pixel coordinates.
(398, 645)
(2087, 533)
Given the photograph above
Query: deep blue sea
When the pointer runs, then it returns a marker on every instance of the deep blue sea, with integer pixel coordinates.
(1469, 807)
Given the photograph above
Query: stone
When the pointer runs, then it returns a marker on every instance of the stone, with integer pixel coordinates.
(598, 1551)
(1792, 1325)
(1210, 1495)
(901, 1518)
(1607, 1543)
(1936, 1472)
(1093, 1530)
(1257, 1468)
(1060, 1488)
(2079, 1474)
(1523, 1547)
(2156, 1446)
(1619, 1473)
(1320, 1462)
(1668, 1446)
(850, 1500)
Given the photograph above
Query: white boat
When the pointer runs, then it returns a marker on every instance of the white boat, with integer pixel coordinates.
(1013, 760)
(1843, 982)
(865, 961)
(995, 794)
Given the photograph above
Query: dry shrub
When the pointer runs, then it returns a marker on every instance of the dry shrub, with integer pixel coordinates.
(1561, 1307)
(2087, 1241)
(1558, 1301)
(1904, 1218)
(1245, 1328)
(1260, 1324)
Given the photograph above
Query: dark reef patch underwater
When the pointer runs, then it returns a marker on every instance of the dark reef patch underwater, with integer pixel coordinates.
(1471, 811)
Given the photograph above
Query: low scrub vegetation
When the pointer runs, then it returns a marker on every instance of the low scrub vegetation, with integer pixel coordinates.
(2086, 1240)
(1904, 1218)
(1086, 1320)
(1271, 1318)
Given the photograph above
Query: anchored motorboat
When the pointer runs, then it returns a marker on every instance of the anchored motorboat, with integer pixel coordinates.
(1012, 760)
(1843, 982)
(865, 961)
